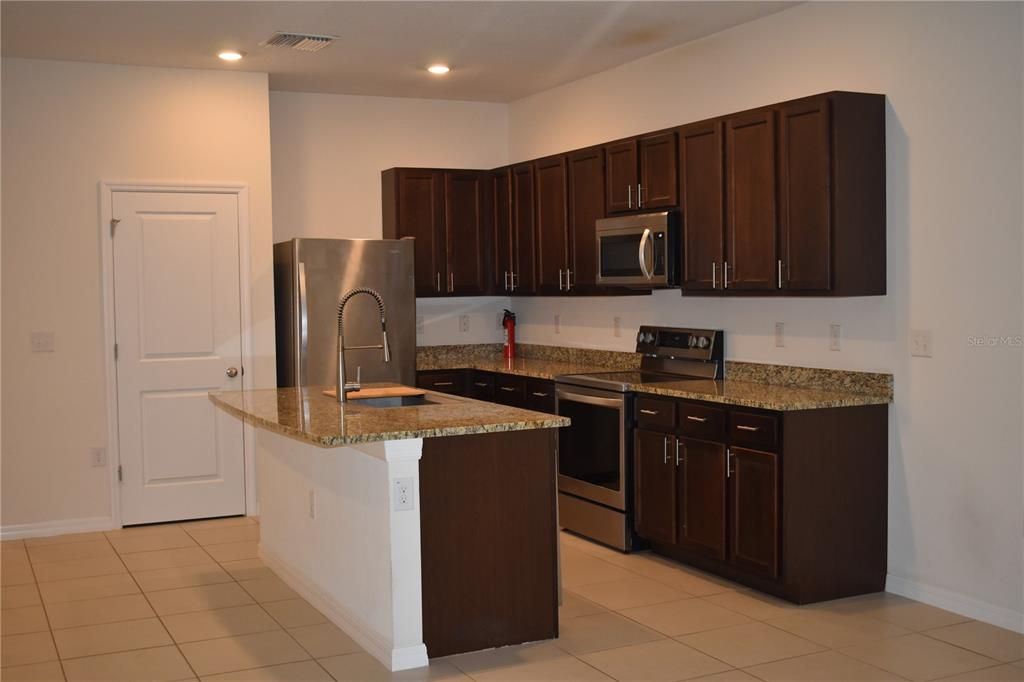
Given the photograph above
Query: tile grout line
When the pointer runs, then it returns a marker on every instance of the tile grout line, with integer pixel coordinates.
(46, 613)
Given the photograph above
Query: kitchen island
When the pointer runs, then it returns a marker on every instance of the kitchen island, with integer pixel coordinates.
(421, 530)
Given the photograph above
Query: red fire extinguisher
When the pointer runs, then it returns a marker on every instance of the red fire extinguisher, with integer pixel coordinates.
(509, 323)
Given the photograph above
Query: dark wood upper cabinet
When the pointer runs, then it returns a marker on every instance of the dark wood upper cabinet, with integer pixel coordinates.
(701, 186)
(750, 201)
(655, 494)
(465, 232)
(413, 206)
(552, 239)
(754, 539)
(702, 502)
(501, 230)
(523, 276)
(586, 206)
(622, 174)
(658, 187)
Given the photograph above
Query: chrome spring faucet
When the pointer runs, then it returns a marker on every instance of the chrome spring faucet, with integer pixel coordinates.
(344, 387)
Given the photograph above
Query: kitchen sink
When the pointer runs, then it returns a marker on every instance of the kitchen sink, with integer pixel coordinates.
(396, 401)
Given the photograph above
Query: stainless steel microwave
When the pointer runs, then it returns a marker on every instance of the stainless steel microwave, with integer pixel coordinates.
(638, 250)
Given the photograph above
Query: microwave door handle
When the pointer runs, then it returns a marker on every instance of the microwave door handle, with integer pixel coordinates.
(643, 253)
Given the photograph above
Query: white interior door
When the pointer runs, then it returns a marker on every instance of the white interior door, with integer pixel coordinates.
(178, 333)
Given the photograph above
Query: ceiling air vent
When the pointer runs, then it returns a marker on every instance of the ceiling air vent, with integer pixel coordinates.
(307, 42)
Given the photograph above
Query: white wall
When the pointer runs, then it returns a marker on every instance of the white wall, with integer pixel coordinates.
(66, 127)
(952, 74)
(329, 150)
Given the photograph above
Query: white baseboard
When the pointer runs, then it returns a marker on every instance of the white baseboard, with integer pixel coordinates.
(377, 646)
(60, 527)
(956, 602)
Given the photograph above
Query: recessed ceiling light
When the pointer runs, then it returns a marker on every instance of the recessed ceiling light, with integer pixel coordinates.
(439, 69)
(230, 55)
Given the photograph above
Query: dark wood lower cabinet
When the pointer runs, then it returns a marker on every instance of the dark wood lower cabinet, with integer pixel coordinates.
(507, 389)
(789, 503)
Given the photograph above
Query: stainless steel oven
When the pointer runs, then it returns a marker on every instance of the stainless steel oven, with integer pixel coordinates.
(638, 250)
(592, 450)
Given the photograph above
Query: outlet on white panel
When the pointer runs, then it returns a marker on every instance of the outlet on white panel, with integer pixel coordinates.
(780, 335)
(921, 343)
(403, 496)
(617, 326)
(558, 324)
(42, 342)
(420, 324)
(464, 324)
(834, 334)
(312, 504)
(98, 457)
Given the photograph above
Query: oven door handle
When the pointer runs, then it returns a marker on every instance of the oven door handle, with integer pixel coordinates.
(643, 253)
(590, 399)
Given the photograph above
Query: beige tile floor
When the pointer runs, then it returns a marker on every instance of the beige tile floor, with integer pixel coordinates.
(191, 600)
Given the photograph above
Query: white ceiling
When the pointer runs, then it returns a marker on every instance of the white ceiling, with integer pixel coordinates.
(499, 51)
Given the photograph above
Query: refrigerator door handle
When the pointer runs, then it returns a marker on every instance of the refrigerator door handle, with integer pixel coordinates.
(302, 341)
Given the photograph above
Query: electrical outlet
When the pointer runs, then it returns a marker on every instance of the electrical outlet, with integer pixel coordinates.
(42, 342)
(617, 326)
(834, 332)
(403, 498)
(558, 324)
(921, 343)
(420, 324)
(312, 504)
(98, 457)
(464, 324)
(780, 335)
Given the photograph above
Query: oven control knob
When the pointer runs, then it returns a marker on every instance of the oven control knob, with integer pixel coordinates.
(703, 342)
(692, 342)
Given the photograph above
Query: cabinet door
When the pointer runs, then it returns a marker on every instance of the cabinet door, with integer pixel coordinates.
(523, 234)
(703, 205)
(552, 257)
(420, 214)
(750, 200)
(702, 499)
(443, 381)
(586, 205)
(754, 494)
(655, 503)
(540, 395)
(658, 187)
(481, 385)
(465, 228)
(510, 390)
(501, 229)
(621, 176)
(805, 197)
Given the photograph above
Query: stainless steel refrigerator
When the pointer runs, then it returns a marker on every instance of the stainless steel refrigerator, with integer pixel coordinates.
(310, 277)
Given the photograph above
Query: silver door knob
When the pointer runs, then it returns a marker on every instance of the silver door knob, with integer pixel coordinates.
(232, 372)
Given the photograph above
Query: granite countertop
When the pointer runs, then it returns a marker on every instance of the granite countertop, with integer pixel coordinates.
(762, 395)
(306, 414)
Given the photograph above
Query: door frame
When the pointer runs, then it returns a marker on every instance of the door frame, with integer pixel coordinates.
(106, 191)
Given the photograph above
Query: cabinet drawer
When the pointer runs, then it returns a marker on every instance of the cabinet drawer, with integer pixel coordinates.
(540, 395)
(754, 430)
(701, 421)
(510, 390)
(481, 386)
(652, 413)
(443, 382)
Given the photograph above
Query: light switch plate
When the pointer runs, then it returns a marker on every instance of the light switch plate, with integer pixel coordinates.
(834, 335)
(464, 324)
(42, 342)
(558, 324)
(921, 343)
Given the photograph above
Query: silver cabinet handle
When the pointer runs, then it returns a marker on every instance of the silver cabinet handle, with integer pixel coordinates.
(744, 427)
(451, 281)
(512, 278)
(629, 196)
(444, 383)
(560, 287)
(678, 458)
(506, 280)
(539, 395)
(780, 273)
(568, 280)
(650, 412)
(639, 196)
(725, 274)
(480, 384)
(437, 280)
(232, 372)
(728, 463)
(696, 419)
(714, 275)
(507, 388)
(665, 451)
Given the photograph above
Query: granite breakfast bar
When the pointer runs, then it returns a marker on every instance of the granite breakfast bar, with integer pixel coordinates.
(459, 555)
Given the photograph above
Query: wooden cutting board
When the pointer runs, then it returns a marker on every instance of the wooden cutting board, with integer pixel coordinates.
(379, 392)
